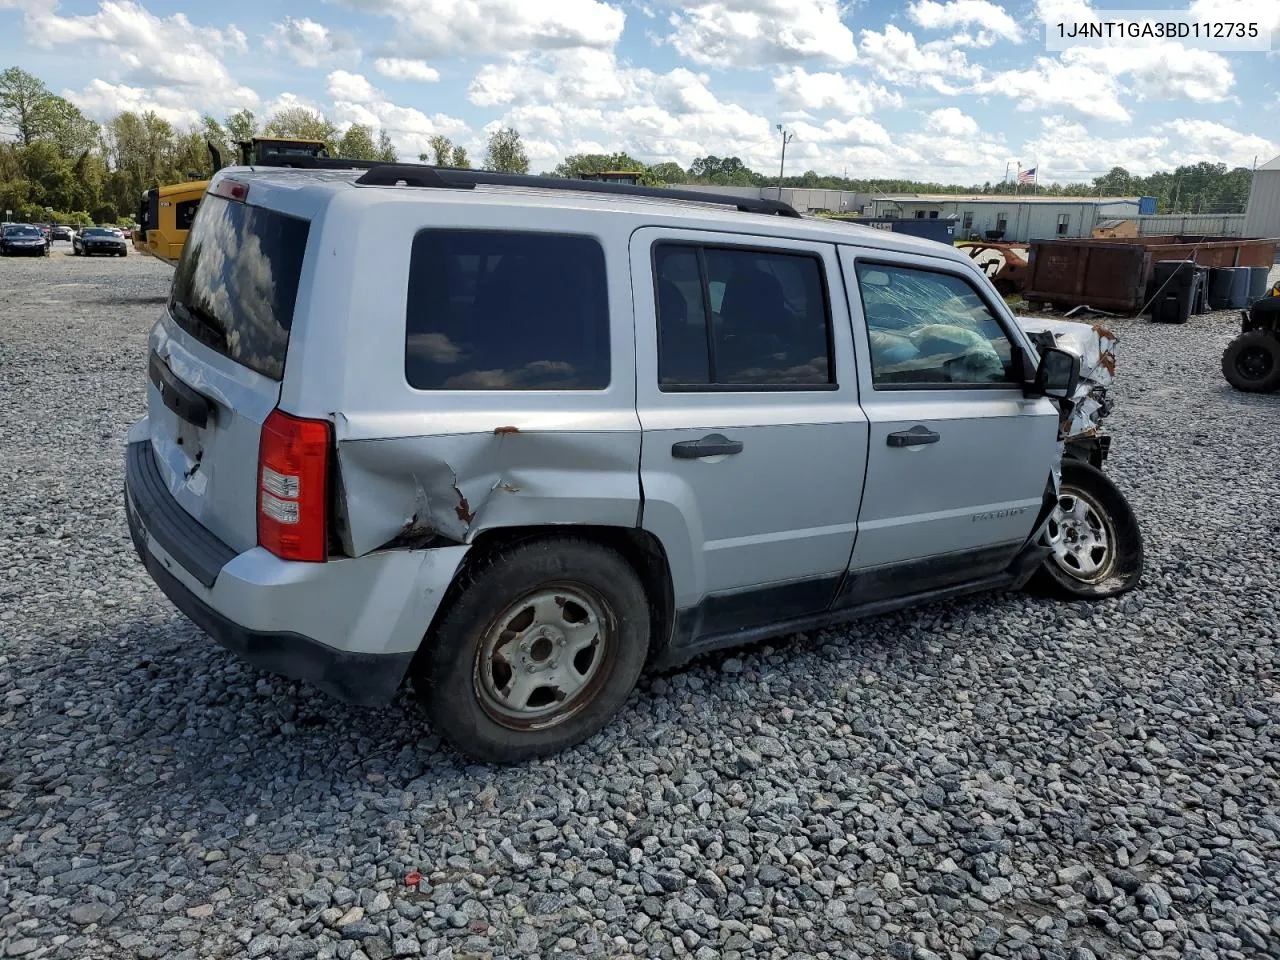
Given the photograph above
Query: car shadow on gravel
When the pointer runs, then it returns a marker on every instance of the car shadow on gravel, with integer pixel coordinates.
(229, 732)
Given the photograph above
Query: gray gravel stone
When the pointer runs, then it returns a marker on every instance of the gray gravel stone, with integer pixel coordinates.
(997, 775)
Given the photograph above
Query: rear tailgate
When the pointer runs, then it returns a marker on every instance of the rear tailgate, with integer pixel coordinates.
(217, 359)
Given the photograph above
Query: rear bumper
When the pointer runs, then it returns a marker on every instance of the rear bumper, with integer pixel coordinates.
(349, 626)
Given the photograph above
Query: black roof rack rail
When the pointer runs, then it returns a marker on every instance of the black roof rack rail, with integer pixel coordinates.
(383, 174)
(425, 175)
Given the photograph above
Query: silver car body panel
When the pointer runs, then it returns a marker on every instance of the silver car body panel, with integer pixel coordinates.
(786, 508)
(983, 483)
(816, 492)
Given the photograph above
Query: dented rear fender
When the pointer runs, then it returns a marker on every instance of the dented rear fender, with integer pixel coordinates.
(456, 486)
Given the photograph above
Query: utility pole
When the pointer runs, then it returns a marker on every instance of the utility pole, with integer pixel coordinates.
(786, 138)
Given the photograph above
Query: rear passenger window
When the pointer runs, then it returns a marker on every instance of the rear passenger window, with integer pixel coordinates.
(496, 310)
(737, 317)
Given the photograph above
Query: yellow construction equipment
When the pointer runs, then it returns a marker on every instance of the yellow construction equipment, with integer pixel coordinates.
(165, 214)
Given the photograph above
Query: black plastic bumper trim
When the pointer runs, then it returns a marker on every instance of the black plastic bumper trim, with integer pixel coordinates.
(360, 679)
(183, 537)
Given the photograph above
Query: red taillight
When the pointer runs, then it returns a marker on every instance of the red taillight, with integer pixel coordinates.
(293, 487)
(231, 189)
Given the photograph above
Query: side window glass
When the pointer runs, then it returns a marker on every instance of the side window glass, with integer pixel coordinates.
(683, 356)
(767, 313)
(497, 310)
(931, 329)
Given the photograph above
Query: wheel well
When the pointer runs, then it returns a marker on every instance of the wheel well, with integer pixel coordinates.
(641, 549)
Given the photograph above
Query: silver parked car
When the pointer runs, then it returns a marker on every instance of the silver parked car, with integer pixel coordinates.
(517, 438)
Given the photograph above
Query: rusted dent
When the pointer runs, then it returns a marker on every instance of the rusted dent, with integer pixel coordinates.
(463, 509)
(504, 431)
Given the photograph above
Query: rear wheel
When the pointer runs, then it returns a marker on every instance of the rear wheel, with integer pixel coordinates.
(1094, 537)
(1251, 362)
(541, 647)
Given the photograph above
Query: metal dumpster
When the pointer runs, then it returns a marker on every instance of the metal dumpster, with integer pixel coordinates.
(1116, 273)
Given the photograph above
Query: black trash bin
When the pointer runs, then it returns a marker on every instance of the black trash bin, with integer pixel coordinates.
(1201, 304)
(1240, 288)
(1176, 287)
(1258, 282)
(1220, 281)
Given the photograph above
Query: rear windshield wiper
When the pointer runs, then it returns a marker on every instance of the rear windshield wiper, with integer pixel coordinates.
(206, 325)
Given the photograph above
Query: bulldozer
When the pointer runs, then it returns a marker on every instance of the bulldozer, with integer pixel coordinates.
(165, 213)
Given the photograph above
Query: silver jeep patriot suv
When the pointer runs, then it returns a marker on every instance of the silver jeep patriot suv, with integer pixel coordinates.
(516, 438)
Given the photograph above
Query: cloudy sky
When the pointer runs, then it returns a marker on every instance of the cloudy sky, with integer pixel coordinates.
(950, 90)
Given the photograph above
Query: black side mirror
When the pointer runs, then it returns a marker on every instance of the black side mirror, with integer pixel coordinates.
(1057, 374)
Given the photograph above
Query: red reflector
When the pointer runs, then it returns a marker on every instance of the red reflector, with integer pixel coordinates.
(231, 190)
(293, 487)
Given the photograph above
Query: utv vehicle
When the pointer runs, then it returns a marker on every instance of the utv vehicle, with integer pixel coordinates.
(1251, 361)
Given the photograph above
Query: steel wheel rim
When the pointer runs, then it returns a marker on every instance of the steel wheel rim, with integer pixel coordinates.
(1081, 536)
(543, 658)
(1253, 363)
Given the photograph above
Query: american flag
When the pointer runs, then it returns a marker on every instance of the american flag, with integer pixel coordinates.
(1027, 176)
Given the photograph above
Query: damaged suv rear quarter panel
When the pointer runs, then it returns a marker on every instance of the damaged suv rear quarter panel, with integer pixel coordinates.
(419, 463)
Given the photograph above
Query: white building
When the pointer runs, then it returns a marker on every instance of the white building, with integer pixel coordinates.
(1021, 217)
(1262, 215)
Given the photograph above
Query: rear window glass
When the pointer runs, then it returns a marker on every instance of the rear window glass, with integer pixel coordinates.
(237, 281)
(496, 310)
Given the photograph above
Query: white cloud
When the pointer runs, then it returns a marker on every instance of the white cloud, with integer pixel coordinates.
(895, 57)
(576, 101)
(1068, 151)
(435, 28)
(832, 91)
(1167, 71)
(568, 77)
(309, 44)
(168, 64)
(951, 122)
(1052, 83)
(356, 100)
(351, 86)
(396, 68)
(1266, 12)
(754, 33)
(992, 21)
(104, 100)
(857, 132)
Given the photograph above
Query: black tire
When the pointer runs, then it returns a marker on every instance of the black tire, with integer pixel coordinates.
(1251, 362)
(457, 681)
(1082, 573)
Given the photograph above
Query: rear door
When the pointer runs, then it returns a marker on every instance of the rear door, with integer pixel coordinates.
(959, 458)
(754, 446)
(217, 358)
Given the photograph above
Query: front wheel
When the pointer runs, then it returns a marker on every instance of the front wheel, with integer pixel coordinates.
(541, 647)
(1094, 537)
(1251, 362)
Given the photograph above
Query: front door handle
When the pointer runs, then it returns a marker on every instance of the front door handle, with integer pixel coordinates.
(712, 445)
(916, 436)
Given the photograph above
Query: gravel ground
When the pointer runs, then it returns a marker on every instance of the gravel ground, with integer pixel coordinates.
(1001, 776)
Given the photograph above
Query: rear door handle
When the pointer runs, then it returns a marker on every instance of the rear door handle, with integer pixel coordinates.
(916, 436)
(712, 445)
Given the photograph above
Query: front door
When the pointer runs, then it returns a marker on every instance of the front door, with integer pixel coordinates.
(959, 459)
(754, 447)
